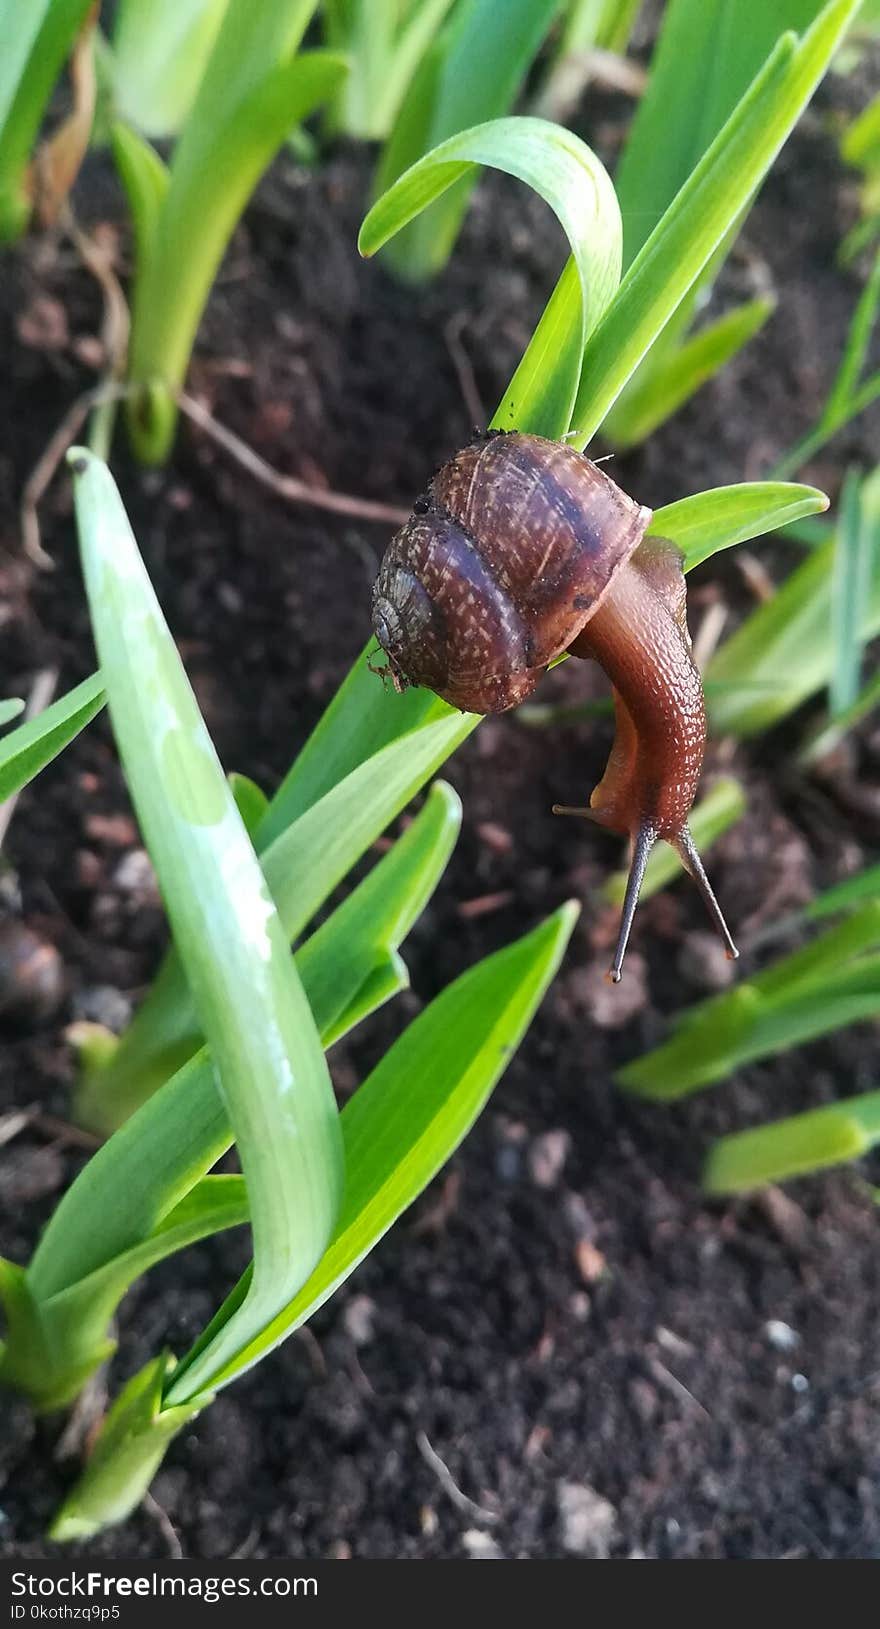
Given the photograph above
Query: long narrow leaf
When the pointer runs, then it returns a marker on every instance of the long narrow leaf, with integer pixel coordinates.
(260, 1031)
(28, 749)
(704, 212)
(214, 195)
(471, 77)
(789, 1148)
(410, 1114)
(563, 171)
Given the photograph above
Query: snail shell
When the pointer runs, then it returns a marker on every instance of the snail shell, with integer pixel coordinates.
(522, 549)
(502, 563)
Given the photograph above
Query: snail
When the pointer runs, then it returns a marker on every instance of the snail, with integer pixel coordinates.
(521, 549)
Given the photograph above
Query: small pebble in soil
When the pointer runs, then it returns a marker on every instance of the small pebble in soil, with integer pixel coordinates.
(32, 978)
(116, 830)
(105, 1005)
(43, 325)
(547, 1156)
(702, 962)
(781, 1335)
(609, 1006)
(135, 875)
(481, 1546)
(497, 838)
(591, 1263)
(359, 1319)
(587, 1521)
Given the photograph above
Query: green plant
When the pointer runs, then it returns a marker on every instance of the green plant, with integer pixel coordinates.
(254, 88)
(155, 60)
(37, 39)
(832, 982)
(860, 147)
(261, 1078)
(810, 634)
(149, 1191)
(850, 393)
(471, 72)
(814, 991)
(384, 41)
(588, 27)
(30, 747)
(796, 1146)
(703, 63)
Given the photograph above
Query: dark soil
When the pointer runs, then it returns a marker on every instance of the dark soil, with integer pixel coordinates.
(563, 1317)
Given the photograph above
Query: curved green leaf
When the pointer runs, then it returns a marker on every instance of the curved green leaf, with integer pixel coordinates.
(262, 1038)
(569, 177)
(725, 515)
(411, 1113)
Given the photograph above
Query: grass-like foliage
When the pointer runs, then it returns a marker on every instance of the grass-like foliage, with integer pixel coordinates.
(229, 1046)
(260, 1078)
(471, 73)
(810, 635)
(36, 40)
(155, 59)
(860, 147)
(255, 87)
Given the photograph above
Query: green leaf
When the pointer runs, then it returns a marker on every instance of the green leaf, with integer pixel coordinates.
(385, 51)
(126, 1456)
(721, 807)
(861, 141)
(703, 525)
(784, 651)
(54, 1345)
(845, 895)
(34, 744)
(470, 77)
(792, 1147)
(814, 991)
(351, 964)
(10, 709)
(160, 51)
(250, 801)
(856, 558)
(119, 1204)
(566, 174)
(361, 719)
(145, 179)
(569, 177)
(36, 40)
(657, 392)
(705, 60)
(704, 211)
(214, 170)
(263, 1042)
(302, 867)
(412, 1112)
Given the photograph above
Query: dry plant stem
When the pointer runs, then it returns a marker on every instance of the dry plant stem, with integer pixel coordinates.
(462, 364)
(287, 487)
(115, 328)
(449, 1485)
(57, 161)
(42, 691)
(101, 400)
(44, 469)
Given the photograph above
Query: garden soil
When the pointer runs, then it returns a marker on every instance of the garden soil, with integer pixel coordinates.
(563, 1348)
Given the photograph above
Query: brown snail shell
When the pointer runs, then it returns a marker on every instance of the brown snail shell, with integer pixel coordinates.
(521, 549)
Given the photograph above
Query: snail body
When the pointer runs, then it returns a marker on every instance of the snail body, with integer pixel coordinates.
(522, 549)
